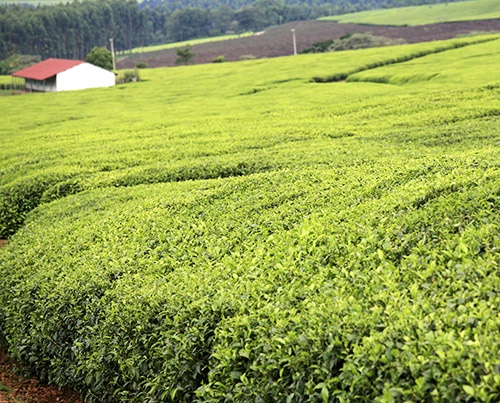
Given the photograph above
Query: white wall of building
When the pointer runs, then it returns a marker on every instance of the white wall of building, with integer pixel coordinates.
(84, 76)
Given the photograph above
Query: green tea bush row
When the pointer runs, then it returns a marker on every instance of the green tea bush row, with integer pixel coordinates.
(281, 285)
(345, 75)
(430, 68)
(19, 198)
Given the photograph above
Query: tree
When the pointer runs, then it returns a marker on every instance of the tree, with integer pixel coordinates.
(184, 55)
(100, 57)
(250, 18)
(188, 23)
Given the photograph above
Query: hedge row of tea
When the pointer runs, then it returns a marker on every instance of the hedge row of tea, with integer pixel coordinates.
(300, 242)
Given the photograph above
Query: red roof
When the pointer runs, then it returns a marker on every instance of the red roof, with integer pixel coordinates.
(47, 68)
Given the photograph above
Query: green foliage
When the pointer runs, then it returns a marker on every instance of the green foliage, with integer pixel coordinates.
(425, 69)
(425, 14)
(100, 57)
(8, 85)
(128, 76)
(352, 42)
(236, 232)
(219, 59)
(361, 41)
(184, 55)
(17, 62)
(71, 29)
(319, 47)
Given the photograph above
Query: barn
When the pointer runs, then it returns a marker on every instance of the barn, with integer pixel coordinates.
(54, 75)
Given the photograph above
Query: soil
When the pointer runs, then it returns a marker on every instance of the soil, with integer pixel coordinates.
(277, 41)
(17, 389)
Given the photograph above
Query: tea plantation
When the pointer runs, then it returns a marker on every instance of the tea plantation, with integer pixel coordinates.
(424, 14)
(255, 232)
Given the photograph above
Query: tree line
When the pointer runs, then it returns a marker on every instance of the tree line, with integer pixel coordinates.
(71, 30)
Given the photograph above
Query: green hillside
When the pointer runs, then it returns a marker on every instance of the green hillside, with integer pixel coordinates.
(425, 14)
(243, 232)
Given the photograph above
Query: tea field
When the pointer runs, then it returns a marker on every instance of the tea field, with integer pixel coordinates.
(425, 14)
(258, 231)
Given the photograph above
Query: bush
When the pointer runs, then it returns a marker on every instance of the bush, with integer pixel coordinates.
(101, 57)
(361, 41)
(128, 76)
(219, 59)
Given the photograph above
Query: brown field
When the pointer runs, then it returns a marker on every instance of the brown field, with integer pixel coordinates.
(277, 41)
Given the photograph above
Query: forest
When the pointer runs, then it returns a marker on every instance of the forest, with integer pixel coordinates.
(71, 30)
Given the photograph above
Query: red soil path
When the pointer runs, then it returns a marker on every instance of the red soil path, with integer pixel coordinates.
(17, 389)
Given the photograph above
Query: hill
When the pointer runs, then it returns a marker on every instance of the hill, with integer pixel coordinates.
(278, 41)
(425, 14)
(71, 30)
(239, 231)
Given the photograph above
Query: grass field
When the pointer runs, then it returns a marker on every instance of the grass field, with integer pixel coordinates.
(240, 232)
(425, 14)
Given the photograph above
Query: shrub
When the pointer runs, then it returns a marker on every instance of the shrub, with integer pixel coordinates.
(128, 76)
(361, 41)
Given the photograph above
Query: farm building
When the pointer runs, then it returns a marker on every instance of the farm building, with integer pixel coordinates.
(54, 75)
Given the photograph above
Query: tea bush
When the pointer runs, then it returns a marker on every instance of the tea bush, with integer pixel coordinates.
(303, 242)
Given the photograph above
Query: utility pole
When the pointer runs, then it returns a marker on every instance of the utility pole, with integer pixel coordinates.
(113, 53)
(294, 42)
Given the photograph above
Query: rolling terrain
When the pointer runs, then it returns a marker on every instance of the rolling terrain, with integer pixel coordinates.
(425, 14)
(278, 41)
(243, 231)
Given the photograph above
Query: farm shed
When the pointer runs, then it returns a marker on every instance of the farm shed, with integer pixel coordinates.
(54, 75)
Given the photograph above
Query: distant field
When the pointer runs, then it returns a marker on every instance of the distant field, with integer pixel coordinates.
(436, 69)
(277, 41)
(175, 45)
(425, 14)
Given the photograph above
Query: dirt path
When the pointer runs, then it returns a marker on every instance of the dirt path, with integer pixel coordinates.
(17, 389)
